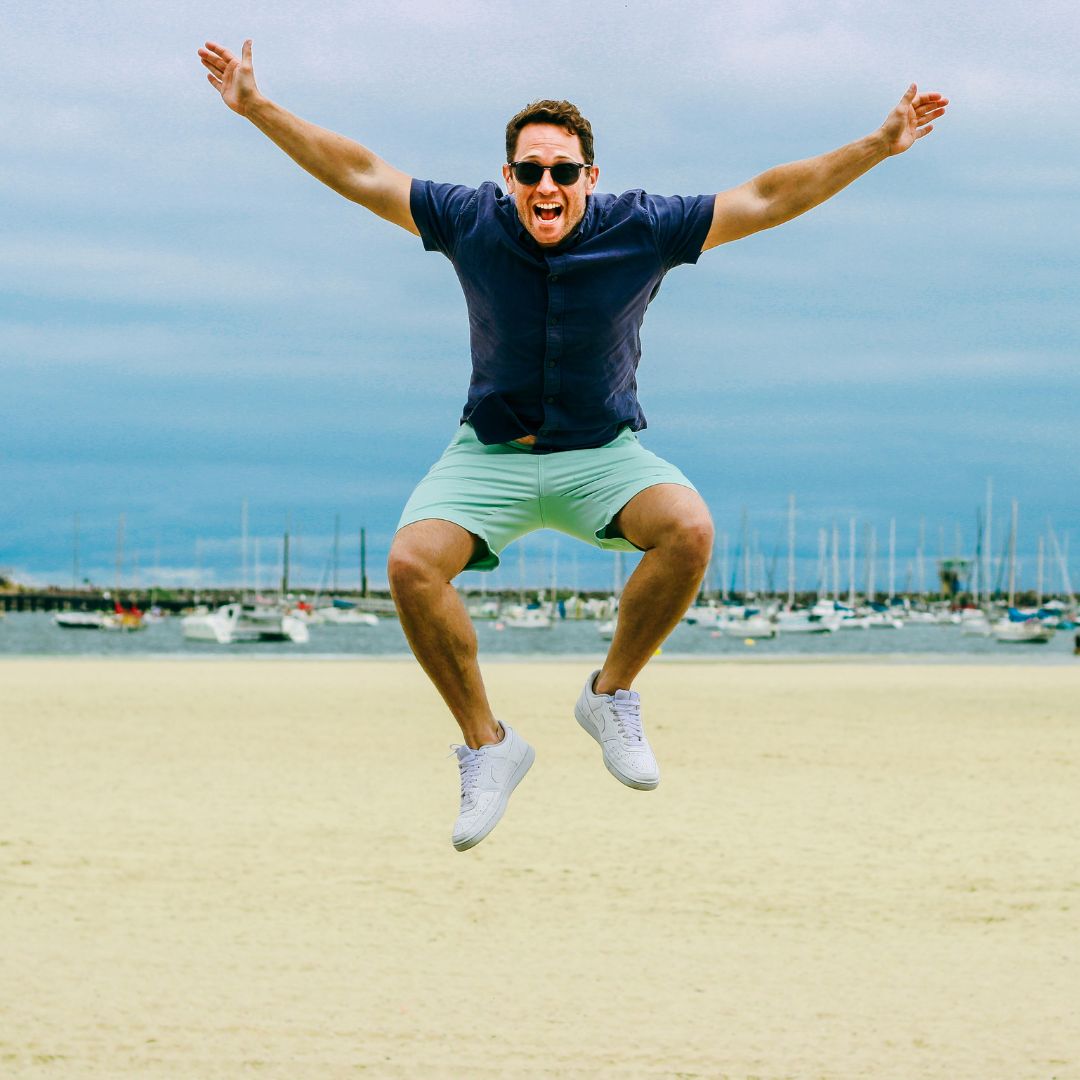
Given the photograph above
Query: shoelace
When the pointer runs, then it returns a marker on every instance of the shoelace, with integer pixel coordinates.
(470, 773)
(628, 714)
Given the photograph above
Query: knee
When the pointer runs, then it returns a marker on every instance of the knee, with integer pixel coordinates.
(408, 569)
(692, 538)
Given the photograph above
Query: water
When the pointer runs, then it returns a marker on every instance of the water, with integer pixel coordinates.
(35, 634)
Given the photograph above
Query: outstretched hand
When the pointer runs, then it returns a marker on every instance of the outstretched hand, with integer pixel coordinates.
(231, 76)
(912, 119)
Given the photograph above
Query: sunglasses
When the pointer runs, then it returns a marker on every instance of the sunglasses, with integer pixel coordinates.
(565, 173)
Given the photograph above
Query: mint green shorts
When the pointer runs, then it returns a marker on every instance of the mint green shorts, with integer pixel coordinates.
(501, 492)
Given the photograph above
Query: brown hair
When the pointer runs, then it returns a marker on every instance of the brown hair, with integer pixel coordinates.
(561, 113)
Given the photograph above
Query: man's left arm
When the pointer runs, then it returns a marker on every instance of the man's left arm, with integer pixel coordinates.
(787, 191)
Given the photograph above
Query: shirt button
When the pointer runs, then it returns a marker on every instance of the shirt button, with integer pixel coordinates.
(554, 320)
(553, 363)
(550, 400)
(554, 277)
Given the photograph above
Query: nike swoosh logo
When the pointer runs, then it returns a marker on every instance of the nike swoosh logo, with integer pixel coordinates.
(500, 771)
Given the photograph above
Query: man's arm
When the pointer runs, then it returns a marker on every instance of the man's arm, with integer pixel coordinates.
(787, 191)
(349, 168)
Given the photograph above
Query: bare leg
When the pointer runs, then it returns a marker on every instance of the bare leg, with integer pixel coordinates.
(671, 524)
(424, 558)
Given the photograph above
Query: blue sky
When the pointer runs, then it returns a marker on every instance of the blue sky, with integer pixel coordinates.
(188, 321)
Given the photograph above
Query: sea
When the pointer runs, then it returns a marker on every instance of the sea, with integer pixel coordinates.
(34, 634)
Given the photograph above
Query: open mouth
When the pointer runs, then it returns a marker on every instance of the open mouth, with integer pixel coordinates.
(547, 211)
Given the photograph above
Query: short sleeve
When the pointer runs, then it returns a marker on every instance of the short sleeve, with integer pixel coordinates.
(437, 211)
(680, 224)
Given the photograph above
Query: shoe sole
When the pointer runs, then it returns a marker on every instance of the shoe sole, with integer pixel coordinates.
(638, 785)
(518, 775)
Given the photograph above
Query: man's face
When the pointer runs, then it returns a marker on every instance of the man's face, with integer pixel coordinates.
(548, 210)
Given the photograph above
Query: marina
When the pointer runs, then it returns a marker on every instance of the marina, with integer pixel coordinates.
(540, 636)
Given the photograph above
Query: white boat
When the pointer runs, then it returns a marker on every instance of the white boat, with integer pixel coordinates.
(80, 620)
(606, 629)
(528, 619)
(1028, 632)
(806, 622)
(882, 620)
(753, 626)
(916, 617)
(341, 616)
(234, 623)
(854, 622)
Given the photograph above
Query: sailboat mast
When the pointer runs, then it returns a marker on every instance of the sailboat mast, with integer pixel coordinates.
(791, 552)
(75, 553)
(1039, 574)
(892, 558)
(851, 562)
(243, 548)
(363, 562)
(337, 553)
(1012, 553)
(119, 556)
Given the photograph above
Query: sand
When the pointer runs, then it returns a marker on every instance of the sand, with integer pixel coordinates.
(223, 869)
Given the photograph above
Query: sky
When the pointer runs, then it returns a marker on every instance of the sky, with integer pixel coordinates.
(189, 323)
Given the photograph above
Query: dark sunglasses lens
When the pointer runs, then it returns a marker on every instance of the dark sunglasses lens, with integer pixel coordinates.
(565, 172)
(528, 172)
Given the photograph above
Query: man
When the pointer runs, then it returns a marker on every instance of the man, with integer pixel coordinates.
(557, 279)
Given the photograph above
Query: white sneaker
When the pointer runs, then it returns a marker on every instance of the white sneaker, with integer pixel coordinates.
(488, 778)
(614, 721)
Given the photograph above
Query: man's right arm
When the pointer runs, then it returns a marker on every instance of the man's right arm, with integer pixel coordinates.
(342, 164)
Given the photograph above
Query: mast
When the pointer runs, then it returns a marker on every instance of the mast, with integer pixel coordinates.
(285, 561)
(363, 562)
(746, 556)
(1012, 554)
(822, 563)
(521, 571)
(724, 566)
(1039, 574)
(892, 558)
(851, 562)
(75, 553)
(871, 560)
(791, 552)
(988, 551)
(119, 556)
(835, 562)
(555, 569)
(920, 558)
(243, 548)
(337, 553)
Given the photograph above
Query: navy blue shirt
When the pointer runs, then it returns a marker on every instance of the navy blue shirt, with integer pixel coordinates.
(555, 331)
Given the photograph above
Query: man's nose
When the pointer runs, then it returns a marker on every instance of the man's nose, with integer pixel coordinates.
(545, 185)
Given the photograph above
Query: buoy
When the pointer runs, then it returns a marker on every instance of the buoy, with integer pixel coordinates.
(749, 641)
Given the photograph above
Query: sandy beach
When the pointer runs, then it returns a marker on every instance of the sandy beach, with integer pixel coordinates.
(223, 869)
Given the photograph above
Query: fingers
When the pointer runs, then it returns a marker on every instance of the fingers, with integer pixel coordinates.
(213, 63)
(215, 83)
(247, 52)
(925, 118)
(213, 48)
(924, 131)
